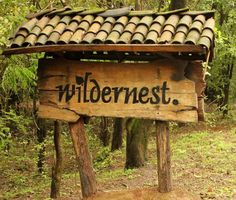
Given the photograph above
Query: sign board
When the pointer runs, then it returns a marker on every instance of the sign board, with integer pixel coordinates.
(157, 90)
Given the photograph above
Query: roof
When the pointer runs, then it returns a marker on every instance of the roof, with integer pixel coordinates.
(84, 30)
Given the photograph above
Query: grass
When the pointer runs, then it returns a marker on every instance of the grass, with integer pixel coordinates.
(117, 174)
(208, 157)
(203, 162)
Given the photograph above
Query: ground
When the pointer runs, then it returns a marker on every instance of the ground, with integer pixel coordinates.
(203, 163)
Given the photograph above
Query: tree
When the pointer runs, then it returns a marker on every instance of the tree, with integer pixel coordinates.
(104, 134)
(221, 81)
(57, 166)
(137, 133)
(177, 4)
(136, 142)
(117, 134)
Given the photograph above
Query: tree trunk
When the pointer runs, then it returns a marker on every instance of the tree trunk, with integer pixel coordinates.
(137, 140)
(229, 75)
(104, 132)
(163, 157)
(109, 4)
(177, 4)
(137, 5)
(161, 3)
(57, 168)
(174, 5)
(117, 134)
(87, 176)
(36, 3)
(41, 135)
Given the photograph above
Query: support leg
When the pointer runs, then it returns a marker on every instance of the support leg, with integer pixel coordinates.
(87, 176)
(163, 156)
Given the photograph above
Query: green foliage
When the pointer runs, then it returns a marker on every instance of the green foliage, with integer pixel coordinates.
(211, 152)
(12, 124)
(105, 158)
(225, 49)
(12, 13)
(17, 77)
(111, 175)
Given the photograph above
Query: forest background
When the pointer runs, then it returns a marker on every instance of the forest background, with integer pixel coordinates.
(26, 142)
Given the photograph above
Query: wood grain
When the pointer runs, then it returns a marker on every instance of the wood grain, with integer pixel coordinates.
(163, 157)
(87, 175)
(53, 73)
(108, 47)
(51, 112)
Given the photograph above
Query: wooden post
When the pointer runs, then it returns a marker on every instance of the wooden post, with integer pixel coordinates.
(57, 167)
(163, 157)
(87, 176)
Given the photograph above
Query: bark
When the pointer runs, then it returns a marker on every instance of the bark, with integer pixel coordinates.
(117, 134)
(161, 4)
(229, 75)
(137, 5)
(109, 4)
(36, 3)
(40, 126)
(41, 135)
(137, 140)
(163, 157)
(177, 4)
(104, 133)
(57, 168)
(87, 176)
(174, 5)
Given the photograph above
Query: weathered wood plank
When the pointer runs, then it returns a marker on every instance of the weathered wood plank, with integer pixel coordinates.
(196, 72)
(51, 112)
(107, 47)
(157, 90)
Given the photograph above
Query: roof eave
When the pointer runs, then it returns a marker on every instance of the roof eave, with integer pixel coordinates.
(152, 48)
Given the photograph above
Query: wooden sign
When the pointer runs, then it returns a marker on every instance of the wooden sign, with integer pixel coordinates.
(157, 90)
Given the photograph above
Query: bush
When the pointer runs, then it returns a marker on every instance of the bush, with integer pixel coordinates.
(12, 124)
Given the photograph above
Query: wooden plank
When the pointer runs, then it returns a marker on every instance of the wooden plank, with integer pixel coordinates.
(163, 157)
(108, 47)
(196, 72)
(50, 112)
(87, 175)
(156, 90)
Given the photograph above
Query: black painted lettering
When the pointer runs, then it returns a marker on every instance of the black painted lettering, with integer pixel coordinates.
(175, 102)
(66, 90)
(79, 80)
(164, 89)
(143, 93)
(129, 93)
(79, 94)
(133, 95)
(106, 91)
(94, 91)
(117, 92)
(87, 74)
(155, 99)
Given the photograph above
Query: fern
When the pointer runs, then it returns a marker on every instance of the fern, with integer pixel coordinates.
(17, 77)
